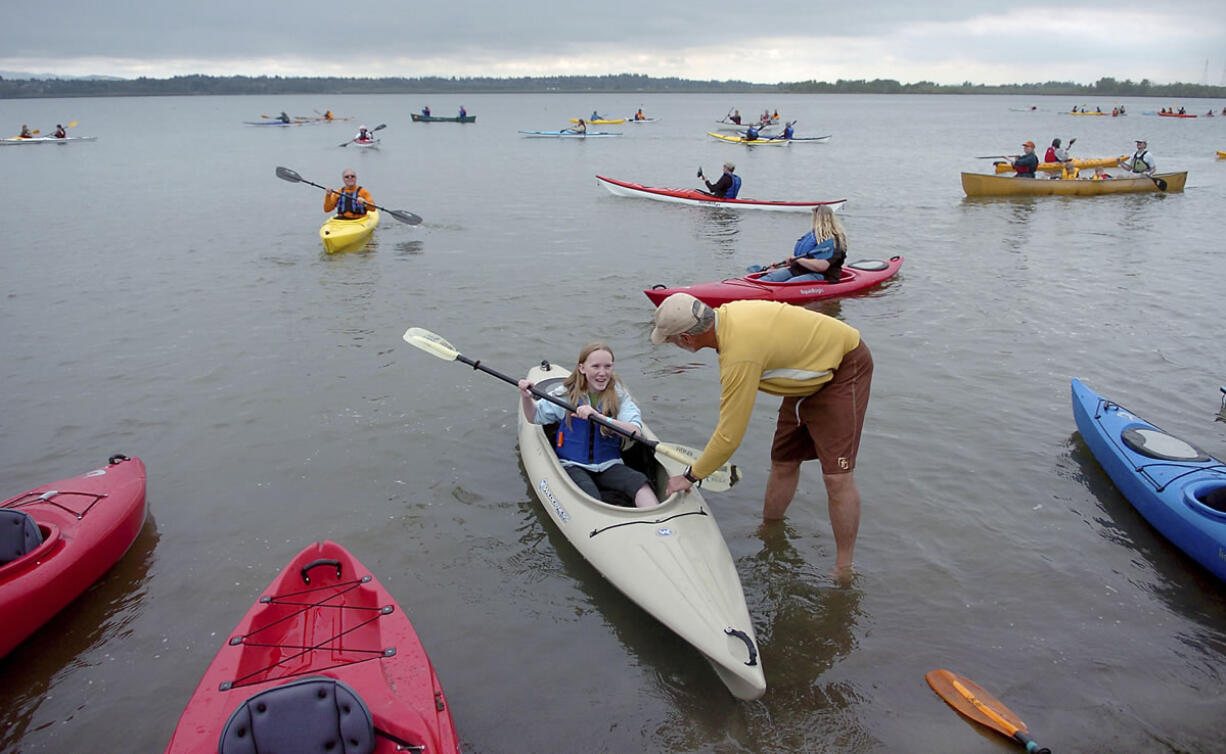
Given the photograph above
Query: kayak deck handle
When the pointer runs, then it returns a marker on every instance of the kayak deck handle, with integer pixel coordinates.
(306, 569)
(753, 651)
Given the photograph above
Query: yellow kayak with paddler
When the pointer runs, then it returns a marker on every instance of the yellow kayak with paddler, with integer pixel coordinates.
(340, 234)
(1079, 164)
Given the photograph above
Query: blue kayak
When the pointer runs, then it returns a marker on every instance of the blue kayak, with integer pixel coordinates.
(1177, 487)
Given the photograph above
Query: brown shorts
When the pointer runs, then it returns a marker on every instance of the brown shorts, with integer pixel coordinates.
(826, 425)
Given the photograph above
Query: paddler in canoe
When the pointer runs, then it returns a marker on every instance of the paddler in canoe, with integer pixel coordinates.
(728, 185)
(818, 254)
(1026, 163)
(350, 202)
(822, 369)
(591, 454)
(1141, 164)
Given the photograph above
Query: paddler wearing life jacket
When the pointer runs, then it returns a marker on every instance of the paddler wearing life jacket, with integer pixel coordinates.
(590, 453)
(364, 135)
(60, 133)
(728, 185)
(1056, 154)
(1025, 164)
(1141, 162)
(350, 202)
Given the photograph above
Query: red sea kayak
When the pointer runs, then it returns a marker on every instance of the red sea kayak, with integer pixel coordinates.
(857, 276)
(697, 198)
(325, 629)
(60, 538)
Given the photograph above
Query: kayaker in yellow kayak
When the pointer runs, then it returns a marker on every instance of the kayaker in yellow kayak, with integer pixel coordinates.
(350, 202)
(25, 132)
(591, 454)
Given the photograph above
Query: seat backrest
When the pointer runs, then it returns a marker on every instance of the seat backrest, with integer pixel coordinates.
(309, 716)
(19, 534)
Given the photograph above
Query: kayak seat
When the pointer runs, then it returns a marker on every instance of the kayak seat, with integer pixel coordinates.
(19, 534)
(314, 715)
(635, 455)
(1215, 499)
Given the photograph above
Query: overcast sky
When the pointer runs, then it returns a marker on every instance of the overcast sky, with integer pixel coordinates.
(766, 42)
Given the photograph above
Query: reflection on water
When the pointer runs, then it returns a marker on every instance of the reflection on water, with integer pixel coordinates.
(100, 615)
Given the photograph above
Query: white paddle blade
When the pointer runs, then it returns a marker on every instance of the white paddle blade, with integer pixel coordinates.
(430, 343)
(720, 480)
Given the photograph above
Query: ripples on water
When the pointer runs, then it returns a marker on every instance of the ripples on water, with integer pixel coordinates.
(168, 298)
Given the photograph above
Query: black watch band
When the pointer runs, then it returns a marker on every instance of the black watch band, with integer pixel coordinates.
(689, 475)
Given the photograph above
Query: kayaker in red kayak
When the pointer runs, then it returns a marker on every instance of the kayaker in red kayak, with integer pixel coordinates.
(818, 255)
(350, 202)
(591, 454)
(818, 364)
(728, 185)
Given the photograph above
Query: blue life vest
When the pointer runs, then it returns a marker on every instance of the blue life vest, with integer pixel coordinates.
(583, 442)
(348, 202)
(735, 188)
(807, 246)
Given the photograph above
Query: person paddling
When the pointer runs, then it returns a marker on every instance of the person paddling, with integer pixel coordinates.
(728, 185)
(350, 202)
(1025, 164)
(60, 133)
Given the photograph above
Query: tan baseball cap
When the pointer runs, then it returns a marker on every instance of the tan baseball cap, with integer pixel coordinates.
(675, 315)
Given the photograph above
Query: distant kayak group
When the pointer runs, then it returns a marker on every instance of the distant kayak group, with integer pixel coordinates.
(58, 135)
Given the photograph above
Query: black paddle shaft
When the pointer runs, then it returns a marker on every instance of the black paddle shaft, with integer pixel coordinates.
(602, 421)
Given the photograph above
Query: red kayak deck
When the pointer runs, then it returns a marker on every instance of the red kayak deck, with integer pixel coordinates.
(695, 197)
(326, 616)
(87, 523)
(857, 276)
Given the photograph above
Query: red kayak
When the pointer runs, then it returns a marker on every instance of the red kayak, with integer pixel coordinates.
(857, 276)
(326, 649)
(58, 539)
(694, 197)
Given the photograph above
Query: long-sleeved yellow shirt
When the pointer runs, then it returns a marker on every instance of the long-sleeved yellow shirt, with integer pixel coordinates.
(779, 349)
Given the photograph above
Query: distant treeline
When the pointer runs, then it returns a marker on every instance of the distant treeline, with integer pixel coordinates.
(619, 83)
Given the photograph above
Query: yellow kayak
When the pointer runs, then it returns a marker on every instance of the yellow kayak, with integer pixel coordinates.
(1221, 155)
(600, 121)
(1056, 167)
(339, 234)
(977, 184)
(758, 142)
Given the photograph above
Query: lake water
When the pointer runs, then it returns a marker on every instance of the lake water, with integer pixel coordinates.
(165, 296)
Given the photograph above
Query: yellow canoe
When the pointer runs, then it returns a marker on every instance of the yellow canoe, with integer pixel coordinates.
(1080, 164)
(978, 184)
(758, 142)
(600, 121)
(339, 234)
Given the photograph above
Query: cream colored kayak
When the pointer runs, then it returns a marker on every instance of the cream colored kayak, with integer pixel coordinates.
(671, 560)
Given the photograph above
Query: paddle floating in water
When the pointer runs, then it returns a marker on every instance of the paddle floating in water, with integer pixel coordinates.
(974, 703)
(408, 218)
(720, 480)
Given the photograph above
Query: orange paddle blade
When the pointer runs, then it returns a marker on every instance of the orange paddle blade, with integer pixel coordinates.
(989, 712)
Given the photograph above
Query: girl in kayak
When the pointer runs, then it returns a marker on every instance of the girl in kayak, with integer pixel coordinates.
(581, 128)
(819, 254)
(591, 454)
(351, 201)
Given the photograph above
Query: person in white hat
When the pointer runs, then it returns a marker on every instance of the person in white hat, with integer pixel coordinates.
(823, 371)
(1141, 163)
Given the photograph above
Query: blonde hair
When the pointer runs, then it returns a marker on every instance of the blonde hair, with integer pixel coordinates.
(827, 225)
(577, 387)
